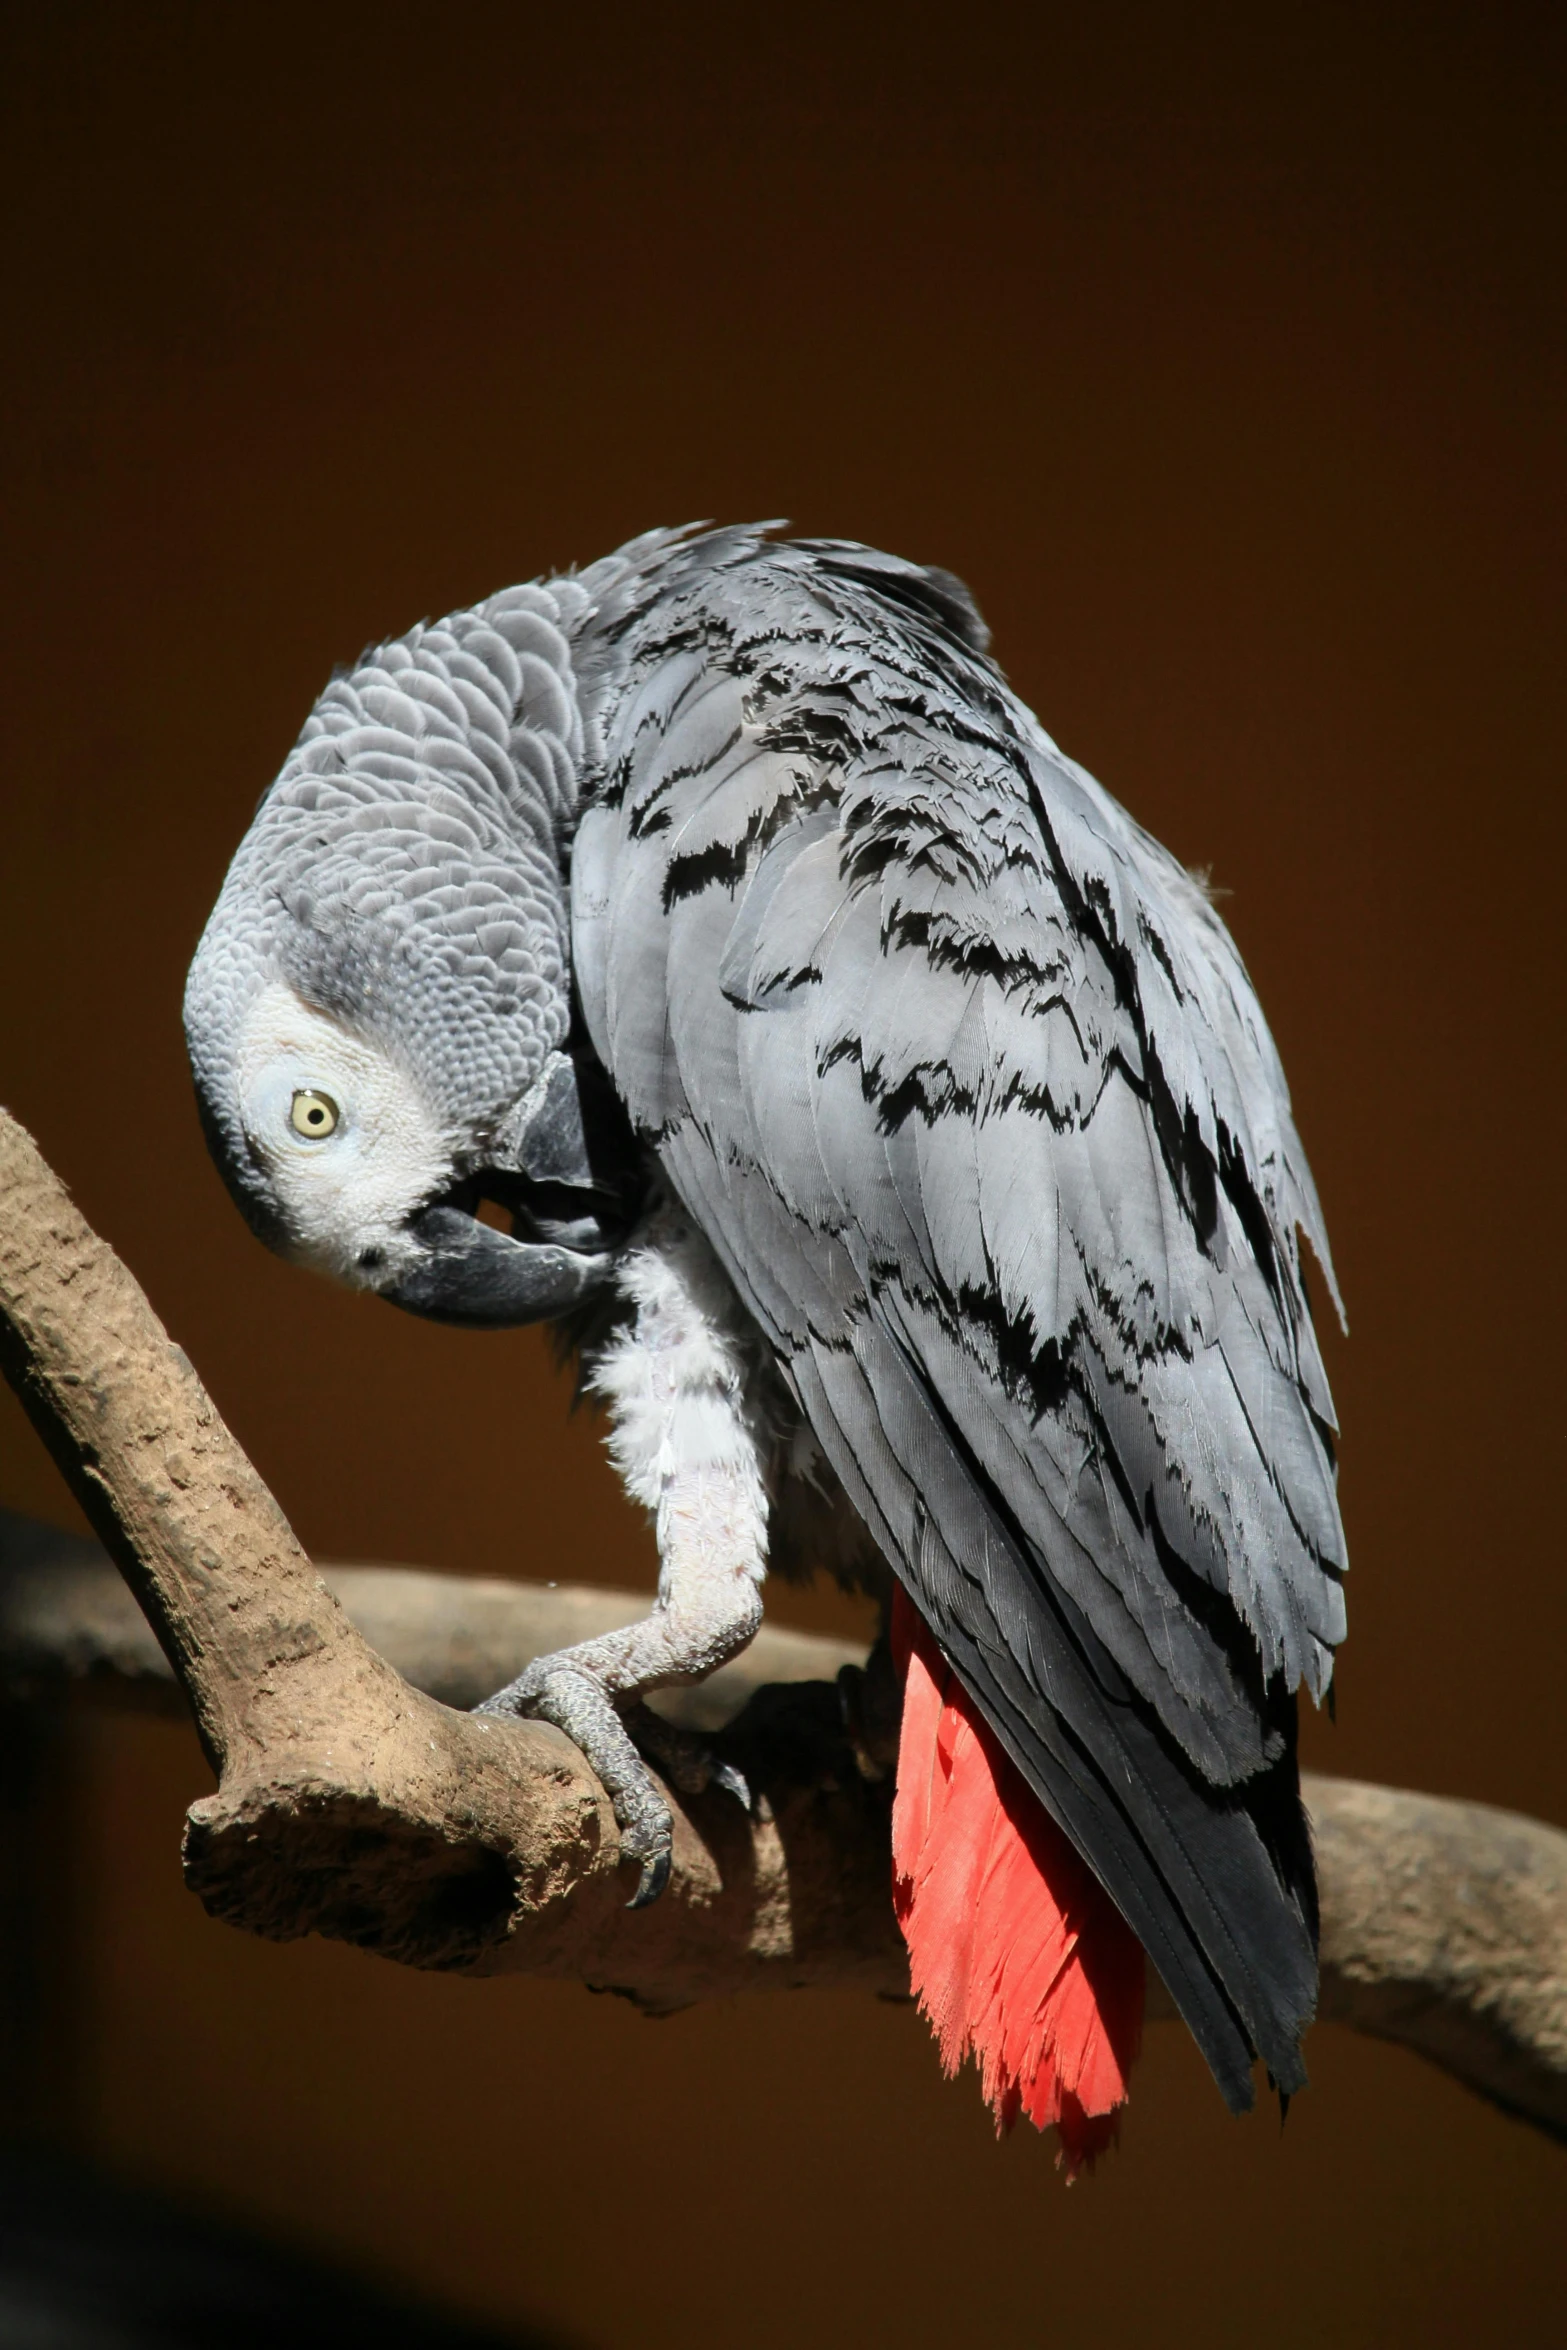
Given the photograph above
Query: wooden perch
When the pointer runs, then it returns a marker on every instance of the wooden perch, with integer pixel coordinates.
(353, 1802)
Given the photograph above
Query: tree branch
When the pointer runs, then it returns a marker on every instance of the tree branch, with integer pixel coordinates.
(352, 1802)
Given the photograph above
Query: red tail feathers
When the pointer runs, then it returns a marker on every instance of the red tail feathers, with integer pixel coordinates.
(1016, 1952)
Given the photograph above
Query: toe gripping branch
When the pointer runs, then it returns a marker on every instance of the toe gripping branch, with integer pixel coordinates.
(613, 1740)
(821, 1735)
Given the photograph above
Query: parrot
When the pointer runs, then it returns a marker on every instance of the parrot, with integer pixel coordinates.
(707, 953)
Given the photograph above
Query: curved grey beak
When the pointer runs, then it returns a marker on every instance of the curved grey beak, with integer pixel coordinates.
(468, 1272)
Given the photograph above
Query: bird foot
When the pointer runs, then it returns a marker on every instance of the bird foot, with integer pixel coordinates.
(610, 1739)
(824, 1735)
(792, 1733)
(691, 1763)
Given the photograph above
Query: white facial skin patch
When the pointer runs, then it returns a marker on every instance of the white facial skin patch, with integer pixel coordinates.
(349, 1143)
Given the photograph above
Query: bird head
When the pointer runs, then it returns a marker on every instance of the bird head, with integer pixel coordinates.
(380, 1026)
(344, 1156)
(345, 1153)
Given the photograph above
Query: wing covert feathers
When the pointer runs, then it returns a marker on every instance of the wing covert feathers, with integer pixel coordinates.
(1017, 1955)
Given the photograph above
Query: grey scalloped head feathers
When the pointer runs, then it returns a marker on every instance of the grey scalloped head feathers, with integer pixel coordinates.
(404, 872)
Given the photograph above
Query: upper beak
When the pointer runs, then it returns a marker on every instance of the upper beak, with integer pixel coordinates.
(468, 1272)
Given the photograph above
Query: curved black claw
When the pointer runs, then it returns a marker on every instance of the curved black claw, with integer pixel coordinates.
(733, 1782)
(689, 1761)
(655, 1876)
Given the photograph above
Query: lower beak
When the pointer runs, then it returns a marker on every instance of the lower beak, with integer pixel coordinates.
(468, 1272)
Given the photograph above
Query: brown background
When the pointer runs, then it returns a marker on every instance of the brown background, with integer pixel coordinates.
(1225, 364)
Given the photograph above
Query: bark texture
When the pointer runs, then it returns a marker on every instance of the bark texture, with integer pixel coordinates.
(352, 1801)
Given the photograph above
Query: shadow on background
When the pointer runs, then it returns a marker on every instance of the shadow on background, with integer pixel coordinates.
(86, 2264)
(1223, 360)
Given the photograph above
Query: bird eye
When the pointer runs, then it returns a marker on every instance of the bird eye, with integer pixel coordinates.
(314, 1115)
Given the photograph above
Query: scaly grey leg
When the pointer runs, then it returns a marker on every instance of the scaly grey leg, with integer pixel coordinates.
(688, 1442)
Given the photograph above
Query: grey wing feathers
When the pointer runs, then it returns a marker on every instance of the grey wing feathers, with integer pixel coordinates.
(964, 1079)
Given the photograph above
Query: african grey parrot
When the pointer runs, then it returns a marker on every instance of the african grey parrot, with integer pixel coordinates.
(894, 1123)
